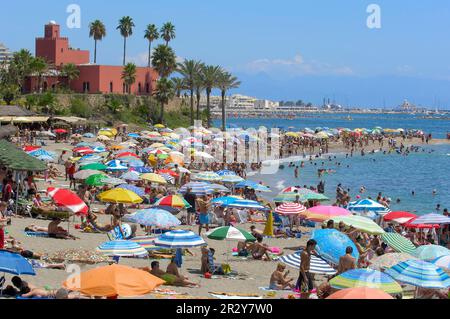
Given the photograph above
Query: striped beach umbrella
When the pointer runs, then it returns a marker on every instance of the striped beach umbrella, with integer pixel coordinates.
(141, 170)
(232, 179)
(318, 265)
(116, 165)
(148, 243)
(230, 233)
(431, 219)
(179, 239)
(419, 273)
(218, 188)
(224, 201)
(69, 200)
(290, 209)
(226, 172)
(131, 176)
(153, 217)
(399, 217)
(169, 178)
(366, 278)
(207, 177)
(197, 188)
(173, 201)
(331, 245)
(361, 223)
(367, 205)
(122, 248)
(247, 204)
(388, 260)
(138, 190)
(443, 262)
(399, 243)
(430, 252)
(322, 213)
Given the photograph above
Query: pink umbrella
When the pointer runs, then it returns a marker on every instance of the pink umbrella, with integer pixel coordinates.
(321, 213)
(65, 198)
(290, 209)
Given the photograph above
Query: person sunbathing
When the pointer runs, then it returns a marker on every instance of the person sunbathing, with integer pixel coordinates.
(172, 269)
(170, 279)
(55, 231)
(260, 251)
(52, 294)
(279, 280)
(36, 229)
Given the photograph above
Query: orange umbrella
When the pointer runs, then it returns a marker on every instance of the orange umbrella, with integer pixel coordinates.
(115, 280)
(360, 293)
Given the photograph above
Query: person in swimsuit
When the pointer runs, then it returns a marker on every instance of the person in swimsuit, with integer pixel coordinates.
(170, 279)
(260, 250)
(279, 280)
(346, 262)
(305, 276)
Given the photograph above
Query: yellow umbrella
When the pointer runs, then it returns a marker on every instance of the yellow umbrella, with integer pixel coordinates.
(292, 134)
(121, 196)
(105, 133)
(159, 126)
(153, 178)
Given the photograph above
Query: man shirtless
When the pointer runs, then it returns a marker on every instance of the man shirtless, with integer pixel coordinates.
(172, 269)
(55, 231)
(305, 276)
(346, 262)
(278, 280)
(170, 279)
(260, 250)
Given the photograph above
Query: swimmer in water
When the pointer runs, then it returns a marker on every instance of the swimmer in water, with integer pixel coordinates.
(434, 192)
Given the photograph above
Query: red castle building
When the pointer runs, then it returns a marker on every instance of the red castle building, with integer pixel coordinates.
(93, 78)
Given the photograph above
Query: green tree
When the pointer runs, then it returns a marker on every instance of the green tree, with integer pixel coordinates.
(151, 34)
(179, 85)
(164, 93)
(19, 68)
(97, 30)
(199, 87)
(225, 82)
(129, 76)
(164, 60)
(168, 32)
(9, 92)
(125, 27)
(210, 80)
(189, 70)
(71, 72)
(39, 67)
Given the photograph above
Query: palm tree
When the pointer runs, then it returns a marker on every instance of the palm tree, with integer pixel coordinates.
(97, 30)
(225, 82)
(164, 60)
(129, 76)
(189, 69)
(71, 72)
(151, 34)
(199, 87)
(164, 93)
(168, 32)
(20, 67)
(39, 67)
(125, 26)
(210, 79)
(179, 85)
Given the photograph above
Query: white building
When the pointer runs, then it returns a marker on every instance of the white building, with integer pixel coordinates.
(266, 105)
(5, 54)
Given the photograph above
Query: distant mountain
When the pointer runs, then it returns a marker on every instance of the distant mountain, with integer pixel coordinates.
(349, 90)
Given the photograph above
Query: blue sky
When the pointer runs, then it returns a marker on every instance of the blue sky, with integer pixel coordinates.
(286, 49)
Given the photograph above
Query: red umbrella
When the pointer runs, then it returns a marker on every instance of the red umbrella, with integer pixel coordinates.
(127, 154)
(60, 131)
(65, 198)
(168, 171)
(420, 226)
(290, 209)
(30, 148)
(399, 217)
(83, 150)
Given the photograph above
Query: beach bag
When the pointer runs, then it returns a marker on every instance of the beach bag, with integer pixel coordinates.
(226, 269)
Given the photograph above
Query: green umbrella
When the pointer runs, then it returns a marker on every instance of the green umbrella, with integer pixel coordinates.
(94, 166)
(399, 243)
(96, 180)
(302, 197)
(230, 233)
(361, 223)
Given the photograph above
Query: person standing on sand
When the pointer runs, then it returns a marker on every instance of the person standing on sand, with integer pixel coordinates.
(203, 207)
(305, 277)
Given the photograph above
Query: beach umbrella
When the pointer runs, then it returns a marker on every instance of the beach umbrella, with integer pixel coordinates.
(138, 190)
(179, 239)
(141, 170)
(83, 150)
(399, 243)
(399, 217)
(160, 126)
(122, 248)
(367, 205)
(114, 280)
(88, 135)
(361, 223)
(253, 185)
(45, 158)
(225, 201)
(218, 188)
(103, 138)
(146, 242)
(153, 217)
(431, 219)
(168, 178)
(230, 233)
(15, 264)
(419, 273)
(322, 213)
(153, 178)
(94, 166)
(290, 189)
(41, 152)
(290, 209)
(197, 188)
(430, 252)
(226, 172)
(70, 201)
(366, 278)
(359, 293)
(127, 154)
(442, 262)
(420, 226)
(169, 172)
(232, 179)
(172, 210)
(29, 148)
(134, 163)
(60, 131)
(131, 176)
(175, 201)
(318, 265)
(388, 260)
(116, 165)
(331, 244)
(246, 204)
(207, 176)
(113, 181)
(95, 180)
(120, 196)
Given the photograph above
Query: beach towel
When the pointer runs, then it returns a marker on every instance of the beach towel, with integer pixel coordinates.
(231, 296)
(268, 289)
(37, 234)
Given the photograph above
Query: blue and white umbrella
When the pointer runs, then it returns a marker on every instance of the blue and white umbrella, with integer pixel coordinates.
(138, 190)
(431, 219)
(249, 204)
(122, 248)
(318, 264)
(169, 178)
(197, 188)
(224, 201)
(13, 263)
(135, 163)
(99, 149)
(142, 170)
(218, 188)
(232, 179)
(331, 245)
(131, 176)
(226, 173)
(41, 152)
(45, 158)
(442, 262)
(253, 185)
(430, 252)
(88, 135)
(179, 239)
(116, 165)
(153, 217)
(367, 205)
(133, 135)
